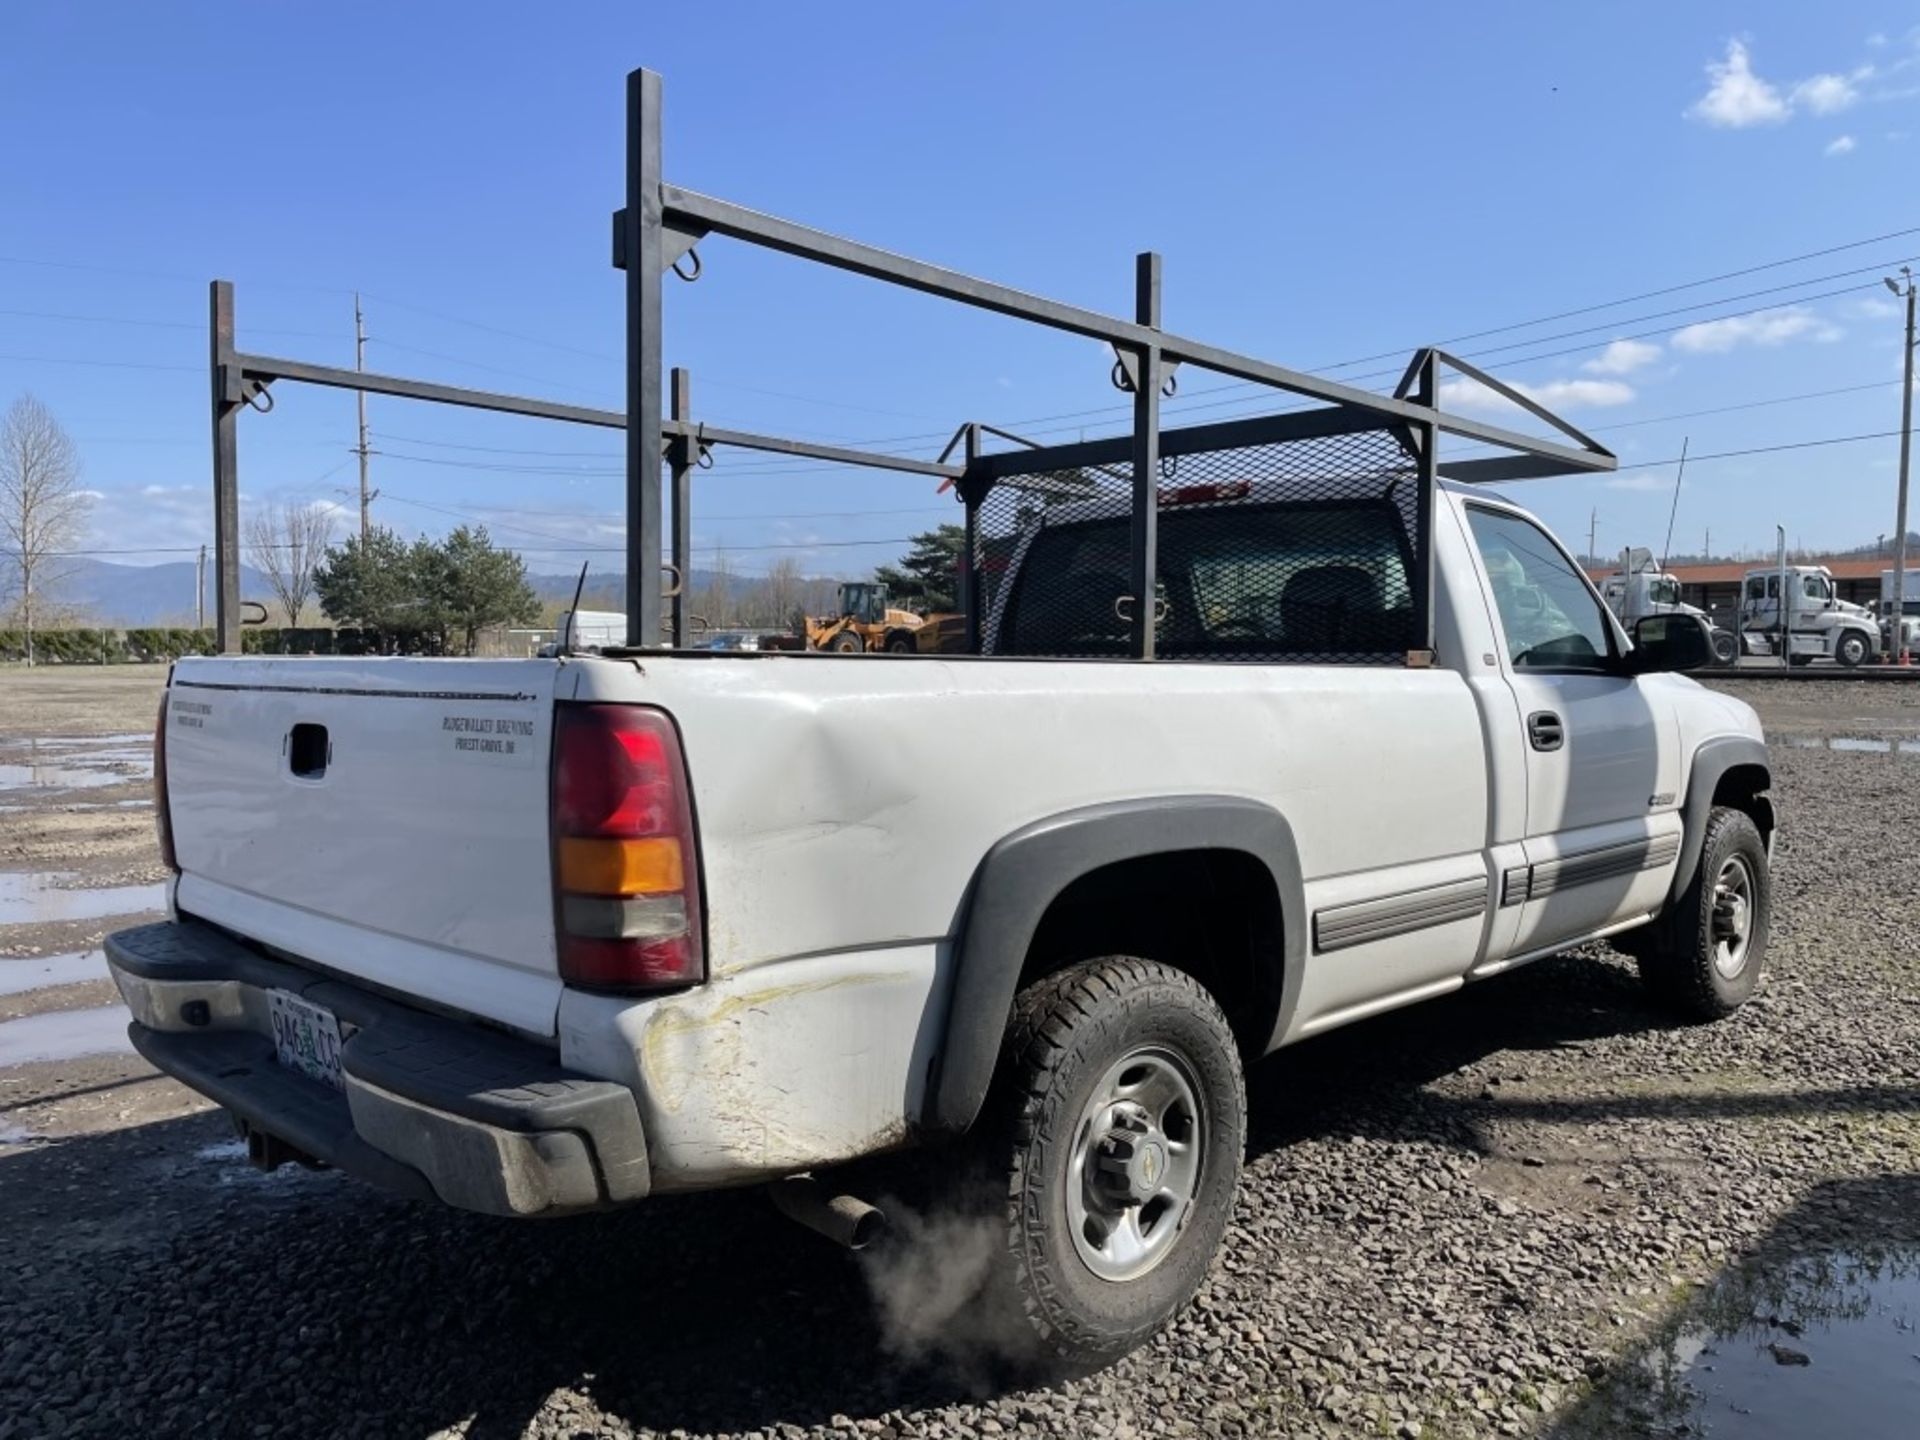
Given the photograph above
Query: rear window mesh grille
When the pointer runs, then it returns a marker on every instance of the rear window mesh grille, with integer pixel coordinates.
(1301, 551)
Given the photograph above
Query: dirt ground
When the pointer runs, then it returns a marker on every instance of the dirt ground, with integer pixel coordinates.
(1500, 1213)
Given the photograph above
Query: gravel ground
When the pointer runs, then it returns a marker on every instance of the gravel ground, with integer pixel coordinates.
(1466, 1218)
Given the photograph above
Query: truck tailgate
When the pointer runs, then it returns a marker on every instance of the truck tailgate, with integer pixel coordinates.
(385, 818)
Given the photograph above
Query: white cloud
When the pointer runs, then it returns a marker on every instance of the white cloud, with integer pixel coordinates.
(1622, 357)
(1873, 307)
(1462, 394)
(1736, 97)
(1639, 482)
(1824, 94)
(1840, 145)
(1877, 40)
(1716, 337)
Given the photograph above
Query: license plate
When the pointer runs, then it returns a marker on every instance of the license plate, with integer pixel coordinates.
(306, 1037)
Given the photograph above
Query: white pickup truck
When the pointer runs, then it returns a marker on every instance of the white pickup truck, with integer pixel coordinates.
(539, 936)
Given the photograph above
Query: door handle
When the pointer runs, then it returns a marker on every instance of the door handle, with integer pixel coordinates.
(1544, 731)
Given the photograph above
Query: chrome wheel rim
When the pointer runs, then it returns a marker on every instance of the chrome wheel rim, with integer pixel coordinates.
(1733, 896)
(1136, 1164)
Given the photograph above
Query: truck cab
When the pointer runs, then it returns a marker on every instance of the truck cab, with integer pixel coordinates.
(1640, 587)
(1819, 625)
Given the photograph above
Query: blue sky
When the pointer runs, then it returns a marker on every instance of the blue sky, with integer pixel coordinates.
(1324, 184)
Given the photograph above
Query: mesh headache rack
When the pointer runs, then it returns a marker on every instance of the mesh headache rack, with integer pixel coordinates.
(1304, 535)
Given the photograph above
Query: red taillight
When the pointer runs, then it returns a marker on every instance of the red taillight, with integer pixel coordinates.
(626, 876)
(163, 822)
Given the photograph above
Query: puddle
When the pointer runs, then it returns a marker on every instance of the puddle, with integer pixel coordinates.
(1823, 1344)
(82, 742)
(12, 1134)
(64, 1035)
(77, 762)
(144, 804)
(1843, 742)
(43, 972)
(34, 898)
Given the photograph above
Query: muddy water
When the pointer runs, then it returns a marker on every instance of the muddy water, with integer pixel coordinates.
(1852, 744)
(43, 972)
(1823, 1345)
(38, 897)
(64, 1035)
(38, 766)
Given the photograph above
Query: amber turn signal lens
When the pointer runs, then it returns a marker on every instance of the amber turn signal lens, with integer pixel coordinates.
(650, 866)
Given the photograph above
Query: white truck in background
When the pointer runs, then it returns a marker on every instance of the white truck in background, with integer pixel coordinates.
(1640, 587)
(1910, 606)
(537, 936)
(1820, 625)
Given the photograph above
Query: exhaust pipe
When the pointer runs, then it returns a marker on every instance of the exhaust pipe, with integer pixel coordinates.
(846, 1220)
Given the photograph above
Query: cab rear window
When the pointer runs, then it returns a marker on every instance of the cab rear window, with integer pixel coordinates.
(1322, 582)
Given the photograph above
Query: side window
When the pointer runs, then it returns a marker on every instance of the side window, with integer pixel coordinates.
(1551, 619)
(1815, 587)
(1756, 588)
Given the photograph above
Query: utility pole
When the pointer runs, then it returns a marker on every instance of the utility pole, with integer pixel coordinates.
(1896, 626)
(360, 400)
(200, 591)
(1593, 531)
(1706, 546)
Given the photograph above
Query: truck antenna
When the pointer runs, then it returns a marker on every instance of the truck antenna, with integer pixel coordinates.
(1678, 476)
(573, 616)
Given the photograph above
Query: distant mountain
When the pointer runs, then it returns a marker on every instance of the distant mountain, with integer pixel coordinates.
(96, 592)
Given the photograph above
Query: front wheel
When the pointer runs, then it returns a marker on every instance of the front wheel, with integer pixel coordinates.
(1705, 957)
(1852, 649)
(1726, 647)
(1122, 1087)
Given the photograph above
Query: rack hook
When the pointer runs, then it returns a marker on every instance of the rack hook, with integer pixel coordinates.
(694, 256)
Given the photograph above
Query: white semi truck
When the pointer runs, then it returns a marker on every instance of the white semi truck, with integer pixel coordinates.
(1910, 612)
(1819, 625)
(1640, 587)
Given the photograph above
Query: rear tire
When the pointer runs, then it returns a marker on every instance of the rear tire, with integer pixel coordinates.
(1124, 1124)
(1703, 959)
(1797, 661)
(900, 643)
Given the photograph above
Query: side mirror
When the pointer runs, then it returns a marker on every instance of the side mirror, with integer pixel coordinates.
(1670, 642)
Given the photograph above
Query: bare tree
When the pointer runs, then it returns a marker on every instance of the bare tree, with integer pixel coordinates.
(783, 589)
(42, 508)
(714, 603)
(287, 544)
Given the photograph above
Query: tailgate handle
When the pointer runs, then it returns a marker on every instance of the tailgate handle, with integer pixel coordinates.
(308, 751)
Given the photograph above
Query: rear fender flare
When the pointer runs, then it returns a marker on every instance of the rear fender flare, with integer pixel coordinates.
(1023, 874)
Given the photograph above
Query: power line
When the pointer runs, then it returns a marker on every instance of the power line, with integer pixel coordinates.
(104, 364)
(155, 324)
(480, 365)
(907, 540)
